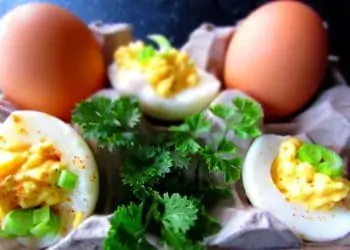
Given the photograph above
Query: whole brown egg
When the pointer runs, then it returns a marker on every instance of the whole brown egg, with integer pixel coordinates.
(49, 60)
(278, 55)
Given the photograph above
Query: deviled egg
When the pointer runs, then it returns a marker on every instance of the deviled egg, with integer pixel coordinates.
(167, 83)
(48, 179)
(301, 184)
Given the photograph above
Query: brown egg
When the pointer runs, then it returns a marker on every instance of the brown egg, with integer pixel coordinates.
(49, 60)
(278, 55)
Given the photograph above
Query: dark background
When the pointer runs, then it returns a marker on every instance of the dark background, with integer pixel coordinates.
(177, 18)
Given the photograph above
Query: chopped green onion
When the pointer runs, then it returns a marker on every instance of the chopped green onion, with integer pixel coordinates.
(332, 164)
(18, 222)
(41, 229)
(30, 222)
(67, 180)
(46, 227)
(162, 42)
(146, 53)
(55, 224)
(41, 215)
(3, 234)
(310, 153)
(323, 159)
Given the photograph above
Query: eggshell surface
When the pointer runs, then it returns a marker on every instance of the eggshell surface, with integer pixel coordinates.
(75, 154)
(278, 55)
(49, 60)
(315, 226)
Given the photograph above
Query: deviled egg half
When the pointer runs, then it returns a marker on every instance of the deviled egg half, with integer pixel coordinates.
(299, 183)
(48, 179)
(167, 83)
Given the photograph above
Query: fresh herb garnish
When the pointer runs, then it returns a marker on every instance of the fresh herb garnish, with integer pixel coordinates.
(163, 43)
(149, 51)
(169, 175)
(324, 160)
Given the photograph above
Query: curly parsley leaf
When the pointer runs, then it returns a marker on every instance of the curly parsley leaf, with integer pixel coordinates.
(248, 108)
(186, 135)
(195, 124)
(111, 123)
(145, 166)
(186, 144)
(127, 231)
(250, 115)
(222, 111)
(180, 160)
(168, 174)
(226, 147)
(230, 168)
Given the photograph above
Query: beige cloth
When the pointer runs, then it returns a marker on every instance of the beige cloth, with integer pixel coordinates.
(243, 227)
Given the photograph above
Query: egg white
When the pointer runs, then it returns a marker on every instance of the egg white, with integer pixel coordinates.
(259, 187)
(75, 153)
(181, 105)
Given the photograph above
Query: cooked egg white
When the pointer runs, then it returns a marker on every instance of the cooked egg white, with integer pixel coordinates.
(168, 87)
(34, 149)
(311, 204)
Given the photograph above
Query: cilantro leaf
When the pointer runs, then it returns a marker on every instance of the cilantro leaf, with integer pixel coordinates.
(127, 231)
(230, 168)
(248, 107)
(222, 111)
(250, 115)
(178, 241)
(111, 123)
(180, 213)
(168, 174)
(195, 124)
(185, 135)
(180, 160)
(198, 124)
(246, 132)
(186, 144)
(226, 146)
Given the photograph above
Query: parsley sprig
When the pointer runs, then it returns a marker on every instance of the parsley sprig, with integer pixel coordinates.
(170, 176)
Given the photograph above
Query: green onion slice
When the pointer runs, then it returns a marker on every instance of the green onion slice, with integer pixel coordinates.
(146, 53)
(30, 222)
(18, 222)
(332, 164)
(43, 228)
(323, 159)
(162, 42)
(5, 235)
(67, 180)
(310, 153)
(41, 215)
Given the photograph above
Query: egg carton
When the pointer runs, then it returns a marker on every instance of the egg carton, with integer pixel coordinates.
(243, 227)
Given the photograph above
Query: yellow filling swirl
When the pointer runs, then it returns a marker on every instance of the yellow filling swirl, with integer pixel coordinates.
(300, 183)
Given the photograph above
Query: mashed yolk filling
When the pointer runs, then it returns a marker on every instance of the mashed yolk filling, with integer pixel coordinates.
(300, 183)
(28, 176)
(168, 73)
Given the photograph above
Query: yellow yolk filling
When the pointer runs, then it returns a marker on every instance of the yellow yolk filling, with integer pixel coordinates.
(168, 73)
(28, 176)
(300, 183)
